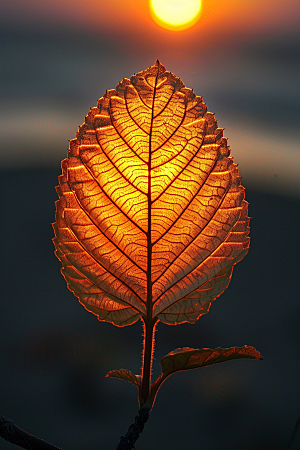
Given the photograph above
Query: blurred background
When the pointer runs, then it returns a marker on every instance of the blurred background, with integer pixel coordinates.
(57, 58)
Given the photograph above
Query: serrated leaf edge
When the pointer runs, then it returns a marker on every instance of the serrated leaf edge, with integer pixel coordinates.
(126, 375)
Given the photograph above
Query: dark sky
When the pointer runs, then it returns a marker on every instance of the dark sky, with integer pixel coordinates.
(57, 59)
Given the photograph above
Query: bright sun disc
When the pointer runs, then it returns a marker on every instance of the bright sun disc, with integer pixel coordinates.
(175, 14)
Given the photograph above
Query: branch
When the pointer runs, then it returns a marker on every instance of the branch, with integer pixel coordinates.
(11, 433)
(292, 439)
(127, 442)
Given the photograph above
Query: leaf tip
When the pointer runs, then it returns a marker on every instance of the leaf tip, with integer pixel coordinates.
(251, 352)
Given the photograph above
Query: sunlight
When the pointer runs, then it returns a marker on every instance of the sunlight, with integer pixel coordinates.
(175, 14)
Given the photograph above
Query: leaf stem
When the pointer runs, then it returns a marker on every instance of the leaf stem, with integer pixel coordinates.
(148, 349)
(148, 322)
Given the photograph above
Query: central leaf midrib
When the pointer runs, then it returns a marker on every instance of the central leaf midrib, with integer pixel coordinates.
(149, 243)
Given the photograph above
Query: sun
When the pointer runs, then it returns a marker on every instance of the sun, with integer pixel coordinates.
(175, 14)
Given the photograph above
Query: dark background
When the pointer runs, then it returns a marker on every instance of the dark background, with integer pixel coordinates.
(53, 354)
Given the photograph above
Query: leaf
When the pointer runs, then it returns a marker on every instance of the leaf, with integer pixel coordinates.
(189, 358)
(124, 374)
(151, 216)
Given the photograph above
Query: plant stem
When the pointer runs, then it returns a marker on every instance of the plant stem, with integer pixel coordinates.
(127, 442)
(148, 322)
(148, 348)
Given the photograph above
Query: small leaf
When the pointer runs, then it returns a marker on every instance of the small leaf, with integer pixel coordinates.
(190, 358)
(124, 374)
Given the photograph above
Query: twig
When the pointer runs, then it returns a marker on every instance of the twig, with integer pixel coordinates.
(11, 433)
(127, 442)
(294, 432)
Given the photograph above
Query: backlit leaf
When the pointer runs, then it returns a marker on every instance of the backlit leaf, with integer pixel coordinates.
(189, 358)
(124, 374)
(151, 216)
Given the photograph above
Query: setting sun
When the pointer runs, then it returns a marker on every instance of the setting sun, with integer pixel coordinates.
(175, 14)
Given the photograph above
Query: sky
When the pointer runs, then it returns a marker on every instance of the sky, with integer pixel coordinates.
(248, 15)
(241, 56)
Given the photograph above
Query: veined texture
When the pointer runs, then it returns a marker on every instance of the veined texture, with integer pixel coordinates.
(151, 215)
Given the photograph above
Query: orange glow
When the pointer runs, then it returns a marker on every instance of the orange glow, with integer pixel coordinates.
(151, 217)
(219, 18)
(175, 14)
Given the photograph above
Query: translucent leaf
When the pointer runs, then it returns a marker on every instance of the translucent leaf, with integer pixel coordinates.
(189, 358)
(151, 216)
(124, 374)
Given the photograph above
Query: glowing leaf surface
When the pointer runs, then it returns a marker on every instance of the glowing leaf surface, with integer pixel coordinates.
(124, 374)
(151, 216)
